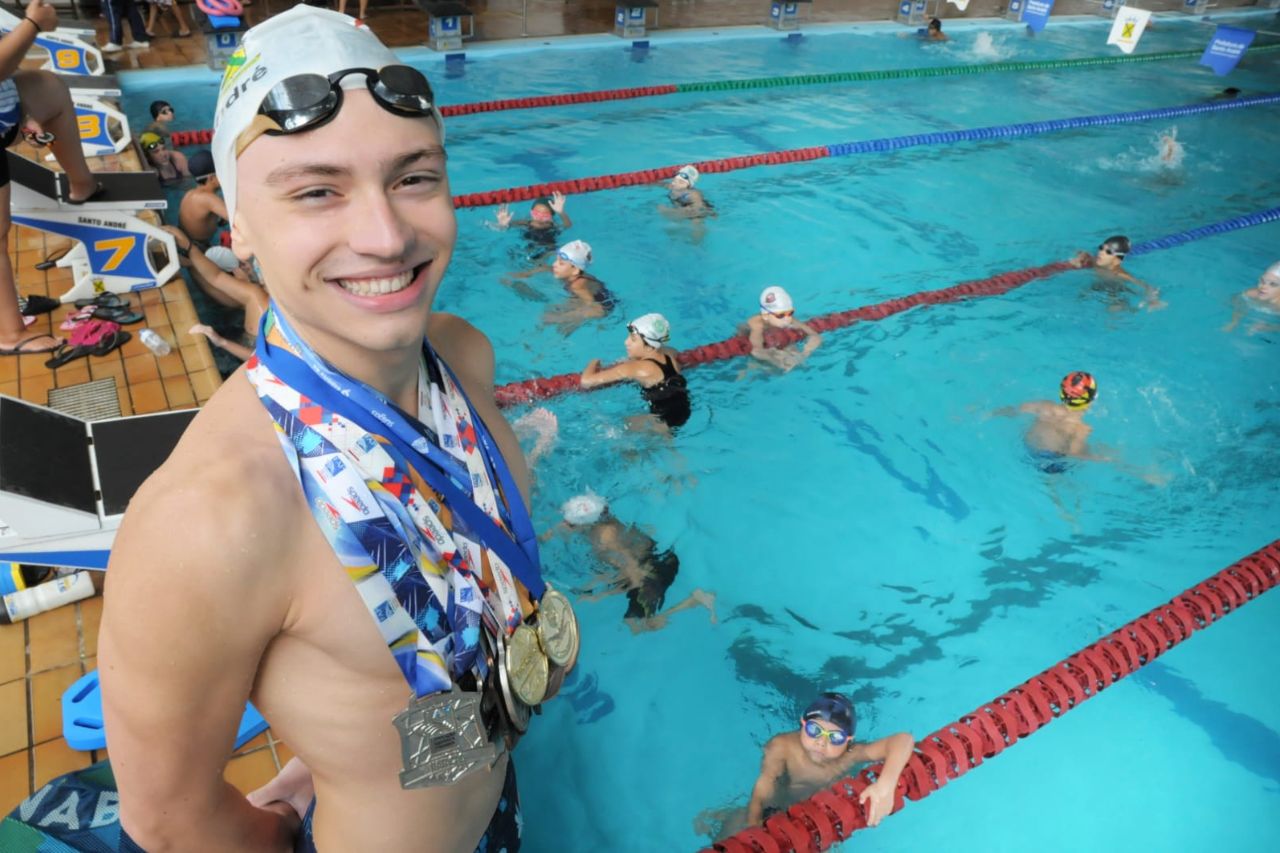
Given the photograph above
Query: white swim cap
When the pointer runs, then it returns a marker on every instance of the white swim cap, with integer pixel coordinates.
(302, 40)
(653, 329)
(223, 257)
(577, 253)
(775, 300)
(584, 509)
(689, 173)
(1272, 274)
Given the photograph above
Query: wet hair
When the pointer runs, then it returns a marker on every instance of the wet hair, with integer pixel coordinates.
(201, 165)
(1117, 245)
(1230, 92)
(542, 202)
(157, 106)
(935, 24)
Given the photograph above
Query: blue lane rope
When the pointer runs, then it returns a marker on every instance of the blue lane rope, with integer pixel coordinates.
(1035, 128)
(1169, 241)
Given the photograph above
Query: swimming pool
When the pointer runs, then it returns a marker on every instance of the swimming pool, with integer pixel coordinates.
(865, 526)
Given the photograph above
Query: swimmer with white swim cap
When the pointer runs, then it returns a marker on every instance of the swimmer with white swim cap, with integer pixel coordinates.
(1263, 297)
(639, 569)
(777, 311)
(1113, 280)
(652, 365)
(686, 200)
(234, 282)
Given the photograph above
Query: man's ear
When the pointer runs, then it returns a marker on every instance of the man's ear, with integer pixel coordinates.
(240, 242)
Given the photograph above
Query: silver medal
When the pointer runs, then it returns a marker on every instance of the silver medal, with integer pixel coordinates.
(443, 739)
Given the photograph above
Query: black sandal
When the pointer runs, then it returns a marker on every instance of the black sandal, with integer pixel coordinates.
(98, 190)
(33, 305)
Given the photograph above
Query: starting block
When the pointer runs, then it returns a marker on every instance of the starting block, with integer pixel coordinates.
(97, 121)
(69, 52)
(115, 251)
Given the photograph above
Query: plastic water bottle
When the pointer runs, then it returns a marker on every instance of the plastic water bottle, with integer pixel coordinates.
(152, 341)
(26, 603)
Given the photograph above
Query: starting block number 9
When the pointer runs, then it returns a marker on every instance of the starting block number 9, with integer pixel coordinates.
(66, 58)
(119, 247)
(90, 125)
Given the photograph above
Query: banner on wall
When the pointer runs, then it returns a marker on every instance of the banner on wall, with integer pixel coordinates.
(1226, 47)
(959, 4)
(1128, 27)
(1036, 14)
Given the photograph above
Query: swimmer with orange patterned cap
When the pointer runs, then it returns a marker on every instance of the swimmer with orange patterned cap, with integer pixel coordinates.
(1059, 432)
(1115, 282)
(800, 762)
(777, 311)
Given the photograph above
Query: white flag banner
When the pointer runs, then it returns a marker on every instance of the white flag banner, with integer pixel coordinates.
(959, 4)
(1128, 27)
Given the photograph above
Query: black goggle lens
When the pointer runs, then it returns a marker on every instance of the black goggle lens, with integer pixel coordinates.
(309, 100)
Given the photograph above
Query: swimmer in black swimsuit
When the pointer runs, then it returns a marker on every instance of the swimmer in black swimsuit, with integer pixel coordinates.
(589, 298)
(642, 572)
(653, 366)
(541, 231)
(1113, 281)
(685, 200)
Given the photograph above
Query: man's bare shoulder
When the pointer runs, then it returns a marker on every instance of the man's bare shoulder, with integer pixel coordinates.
(464, 348)
(220, 496)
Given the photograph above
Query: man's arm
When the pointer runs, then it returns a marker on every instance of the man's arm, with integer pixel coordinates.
(189, 611)
(243, 292)
(772, 768)
(895, 751)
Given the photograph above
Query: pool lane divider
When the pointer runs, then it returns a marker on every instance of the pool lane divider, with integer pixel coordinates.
(845, 149)
(203, 137)
(833, 814)
(542, 388)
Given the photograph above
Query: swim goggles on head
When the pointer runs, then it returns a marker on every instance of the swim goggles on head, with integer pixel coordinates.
(1110, 251)
(781, 315)
(152, 146)
(306, 101)
(653, 342)
(817, 732)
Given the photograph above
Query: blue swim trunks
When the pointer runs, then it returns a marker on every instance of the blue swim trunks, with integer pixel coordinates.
(502, 835)
(1051, 461)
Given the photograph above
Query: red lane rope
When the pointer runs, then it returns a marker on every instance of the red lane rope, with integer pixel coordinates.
(631, 179)
(557, 100)
(528, 390)
(832, 815)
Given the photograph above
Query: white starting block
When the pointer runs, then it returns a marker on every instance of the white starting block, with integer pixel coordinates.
(69, 52)
(910, 12)
(97, 121)
(115, 251)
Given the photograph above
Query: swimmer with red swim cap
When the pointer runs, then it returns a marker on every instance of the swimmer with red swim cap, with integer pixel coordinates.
(1059, 432)
(800, 762)
(1114, 280)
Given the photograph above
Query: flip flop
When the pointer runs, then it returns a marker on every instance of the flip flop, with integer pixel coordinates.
(21, 348)
(52, 261)
(109, 300)
(98, 190)
(121, 315)
(113, 341)
(32, 305)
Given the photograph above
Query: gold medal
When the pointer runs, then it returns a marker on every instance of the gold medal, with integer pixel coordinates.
(558, 628)
(526, 666)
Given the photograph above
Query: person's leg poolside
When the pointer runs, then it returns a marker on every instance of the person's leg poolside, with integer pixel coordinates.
(45, 98)
(12, 329)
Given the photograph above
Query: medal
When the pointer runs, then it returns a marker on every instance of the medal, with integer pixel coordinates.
(526, 666)
(515, 712)
(443, 739)
(557, 628)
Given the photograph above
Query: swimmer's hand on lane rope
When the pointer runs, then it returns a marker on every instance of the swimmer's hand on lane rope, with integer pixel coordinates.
(881, 797)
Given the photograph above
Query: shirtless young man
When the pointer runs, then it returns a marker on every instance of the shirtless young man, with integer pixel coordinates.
(799, 763)
(237, 575)
(202, 211)
(1059, 432)
(777, 311)
(1114, 280)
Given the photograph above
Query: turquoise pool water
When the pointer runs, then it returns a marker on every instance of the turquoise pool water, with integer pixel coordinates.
(865, 525)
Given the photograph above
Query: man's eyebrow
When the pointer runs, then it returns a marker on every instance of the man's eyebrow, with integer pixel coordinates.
(329, 170)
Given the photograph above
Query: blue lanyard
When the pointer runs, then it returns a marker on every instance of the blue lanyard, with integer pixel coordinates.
(313, 377)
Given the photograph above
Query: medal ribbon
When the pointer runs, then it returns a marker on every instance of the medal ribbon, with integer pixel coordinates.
(397, 502)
